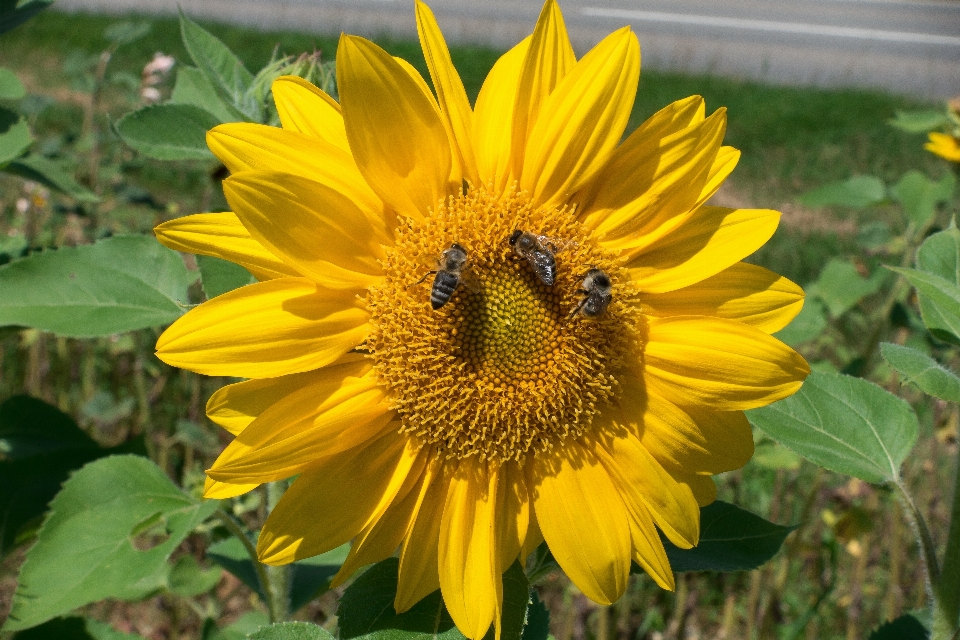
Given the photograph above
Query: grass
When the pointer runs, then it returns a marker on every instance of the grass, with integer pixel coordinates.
(792, 140)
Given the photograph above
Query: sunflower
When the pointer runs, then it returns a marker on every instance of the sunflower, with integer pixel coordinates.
(944, 145)
(466, 435)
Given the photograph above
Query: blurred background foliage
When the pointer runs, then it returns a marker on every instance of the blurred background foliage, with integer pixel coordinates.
(850, 565)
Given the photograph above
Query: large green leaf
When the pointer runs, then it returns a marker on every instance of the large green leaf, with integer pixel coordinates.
(108, 535)
(119, 284)
(74, 628)
(192, 87)
(940, 254)
(920, 121)
(10, 86)
(220, 276)
(843, 424)
(538, 620)
(12, 15)
(920, 195)
(840, 286)
(52, 175)
(923, 371)
(366, 610)
(731, 539)
(858, 191)
(39, 447)
(906, 627)
(168, 131)
(291, 631)
(223, 69)
(939, 303)
(15, 135)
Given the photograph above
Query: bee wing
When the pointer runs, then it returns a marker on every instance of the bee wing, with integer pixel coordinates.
(469, 279)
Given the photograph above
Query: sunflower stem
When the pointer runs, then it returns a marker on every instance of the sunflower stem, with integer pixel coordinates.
(946, 609)
(240, 534)
(278, 577)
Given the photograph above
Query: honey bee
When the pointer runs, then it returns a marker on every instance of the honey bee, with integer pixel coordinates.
(595, 289)
(449, 274)
(539, 252)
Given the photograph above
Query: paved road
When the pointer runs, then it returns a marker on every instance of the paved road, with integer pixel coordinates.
(902, 46)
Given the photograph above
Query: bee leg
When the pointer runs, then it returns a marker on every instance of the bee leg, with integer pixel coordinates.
(425, 276)
(579, 306)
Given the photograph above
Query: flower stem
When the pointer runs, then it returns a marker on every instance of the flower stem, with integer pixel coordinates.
(946, 612)
(919, 526)
(278, 595)
(262, 576)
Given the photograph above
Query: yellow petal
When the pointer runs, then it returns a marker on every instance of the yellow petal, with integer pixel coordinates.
(315, 229)
(513, 513)
(703, 487)
(395, 131)
(339, 410)
(547, 61)
(651, 184)
(533, 539)
(711, 240)
(305, 108)
(243, 146)
(723, 165)
(721, 364)
(330, 504)
(469, 579)
(235, 406)
(686, 439)
(648, 551)
(583, 520)
(221, 490)
(222, 235)
(944, 145)
(494, 109)
(381, 538)
(454, 105)
(745, 292)
(643, 482)
(419, 559)
(265, 330)
(581, 122)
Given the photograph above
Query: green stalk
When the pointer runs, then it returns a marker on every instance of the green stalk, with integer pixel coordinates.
(262, 576)
(278, 594)
(946, 609)
(927, 549)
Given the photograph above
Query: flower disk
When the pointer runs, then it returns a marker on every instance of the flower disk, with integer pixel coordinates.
(504, 367)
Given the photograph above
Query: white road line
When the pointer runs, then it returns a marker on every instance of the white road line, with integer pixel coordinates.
(774, 27)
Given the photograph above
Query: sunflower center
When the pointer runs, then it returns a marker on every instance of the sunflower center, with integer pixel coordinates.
(503, 366)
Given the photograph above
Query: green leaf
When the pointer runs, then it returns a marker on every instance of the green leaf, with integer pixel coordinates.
(291, 631)
(858, 191)
(39, 447)
(168, 131)
(809, 323)
(108, 535)
(731, 539)
(15, 135)
(309, 577)
(843, 424)
(366, 609)
(939, 303)
(220, 276)
(919, 121)
(516, 598)
(221, 67)
(923, 371)
(74, 628)
(841, 286)
(188, 579)
(10, 86)
(239, 630)
(13, 16)
(119, 284)
(940, 254)
(920, 195)
(538, 620)
(125, 32)
(52, 175)
(193, 88)
(906, 627)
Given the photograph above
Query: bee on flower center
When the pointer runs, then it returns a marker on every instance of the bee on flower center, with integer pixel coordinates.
(539, 252)
(596, 290)
(449, 274)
